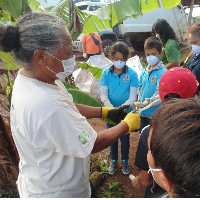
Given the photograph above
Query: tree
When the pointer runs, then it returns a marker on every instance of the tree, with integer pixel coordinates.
(190, 14)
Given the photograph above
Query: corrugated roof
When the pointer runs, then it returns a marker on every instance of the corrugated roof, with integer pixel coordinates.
(188, 2)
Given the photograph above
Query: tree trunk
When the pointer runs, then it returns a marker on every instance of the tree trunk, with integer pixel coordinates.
(8, 155)
(190, 14)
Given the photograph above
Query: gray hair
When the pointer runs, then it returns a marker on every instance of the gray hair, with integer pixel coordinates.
(33, 31)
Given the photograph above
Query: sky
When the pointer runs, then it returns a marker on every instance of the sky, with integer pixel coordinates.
(195, 13)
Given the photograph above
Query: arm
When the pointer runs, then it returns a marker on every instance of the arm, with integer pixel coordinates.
(132, 96)
(172, 64)
(83, 47)
(109, 136)
(144, 179)
(89, 111)
(100, 47)
(104, 96)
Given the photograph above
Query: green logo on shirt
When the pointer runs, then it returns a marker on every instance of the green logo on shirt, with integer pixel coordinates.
(83, 137)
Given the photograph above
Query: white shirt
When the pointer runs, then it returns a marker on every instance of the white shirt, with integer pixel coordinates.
(53, 139)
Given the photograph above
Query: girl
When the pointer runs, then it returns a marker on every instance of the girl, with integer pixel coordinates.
(119, 85)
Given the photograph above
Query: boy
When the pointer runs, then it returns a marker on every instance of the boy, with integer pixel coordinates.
(149, 79)
(119, 85)
(177, 82)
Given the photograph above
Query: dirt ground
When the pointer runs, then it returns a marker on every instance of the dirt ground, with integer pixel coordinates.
(104, 156)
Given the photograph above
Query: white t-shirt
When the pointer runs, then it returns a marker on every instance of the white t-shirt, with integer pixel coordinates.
(53, 139)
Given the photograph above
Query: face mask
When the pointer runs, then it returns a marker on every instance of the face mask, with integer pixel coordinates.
(157, 35)
(196, 49)
(151, 170)
(119, 64)
(152, 60)
(68, 66)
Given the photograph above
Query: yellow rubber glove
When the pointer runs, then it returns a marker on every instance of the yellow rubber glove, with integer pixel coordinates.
(185, 61)
(104, 111)
(133, 121)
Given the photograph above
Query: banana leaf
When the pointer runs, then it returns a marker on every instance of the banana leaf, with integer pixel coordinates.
(80, 97)
(9, 61)
(94, 69)
(119, 11)
(69, 86)
(72, 15)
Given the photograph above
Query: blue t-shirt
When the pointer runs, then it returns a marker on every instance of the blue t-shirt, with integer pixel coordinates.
(119, 85)
(149, 83)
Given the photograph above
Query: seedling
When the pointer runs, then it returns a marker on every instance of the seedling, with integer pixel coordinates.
(114, 189)
(103, 168)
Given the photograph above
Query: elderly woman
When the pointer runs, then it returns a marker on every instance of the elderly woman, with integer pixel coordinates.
(174, 149)
(52, 135)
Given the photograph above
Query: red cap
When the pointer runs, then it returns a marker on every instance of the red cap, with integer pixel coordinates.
(178, 80)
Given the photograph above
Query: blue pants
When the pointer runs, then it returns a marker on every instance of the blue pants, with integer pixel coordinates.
(125, 144)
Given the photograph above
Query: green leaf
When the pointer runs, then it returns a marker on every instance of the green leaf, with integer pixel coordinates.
(13, 7)
(8, 90)
(94, 69)
(80, 97)
(35, 5)
(119, 11)
(8, 59)
(72, 20)
(167, 4)
(69, 86)
(150, 5)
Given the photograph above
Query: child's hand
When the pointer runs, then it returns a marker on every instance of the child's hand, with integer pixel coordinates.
(138, 104)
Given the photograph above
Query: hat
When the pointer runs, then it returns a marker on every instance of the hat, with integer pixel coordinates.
(178, 80)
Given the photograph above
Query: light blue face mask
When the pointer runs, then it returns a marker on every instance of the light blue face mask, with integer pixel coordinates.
(152, 60)
(119, 64)
(196, 49)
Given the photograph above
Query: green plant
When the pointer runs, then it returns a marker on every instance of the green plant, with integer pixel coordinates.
(103, 168)
(4, 194)
(114, 189)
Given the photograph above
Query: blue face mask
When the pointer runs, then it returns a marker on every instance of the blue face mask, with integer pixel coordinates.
(196, 49)
(152, 60)
(119, 64)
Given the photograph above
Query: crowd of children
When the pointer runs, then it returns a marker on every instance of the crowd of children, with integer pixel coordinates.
(161, 81)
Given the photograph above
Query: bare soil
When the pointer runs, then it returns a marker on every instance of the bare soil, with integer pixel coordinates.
(104, 156)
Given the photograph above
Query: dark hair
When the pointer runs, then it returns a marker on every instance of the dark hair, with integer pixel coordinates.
(33, 31)
(167, 97)
(119, 47)
(175, 144)
(165, 31)
(194, 30)
(153, 42)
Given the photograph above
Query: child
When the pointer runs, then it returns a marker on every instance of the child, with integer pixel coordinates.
(149, 79)
(176, 82)
(173, 153)
(119, 85)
